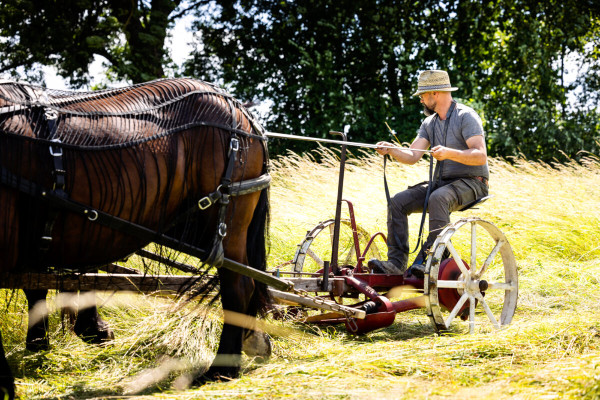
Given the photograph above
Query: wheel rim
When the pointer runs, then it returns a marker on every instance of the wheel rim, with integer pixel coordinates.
(315, 248)
(489, 291)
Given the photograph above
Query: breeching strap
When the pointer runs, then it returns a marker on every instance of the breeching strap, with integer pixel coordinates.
(130, 228)
(58, 173)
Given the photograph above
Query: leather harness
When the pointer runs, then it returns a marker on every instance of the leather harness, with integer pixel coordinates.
(58, 199)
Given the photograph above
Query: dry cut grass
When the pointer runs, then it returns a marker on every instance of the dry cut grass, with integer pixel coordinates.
(549, 213)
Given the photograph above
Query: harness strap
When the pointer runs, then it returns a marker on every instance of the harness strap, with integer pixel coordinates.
(130, 228)
(58, 173)
(433, 174)
(217, 252)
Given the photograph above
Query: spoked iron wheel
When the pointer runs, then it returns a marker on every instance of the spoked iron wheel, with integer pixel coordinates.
(316, 246)
(478, 283)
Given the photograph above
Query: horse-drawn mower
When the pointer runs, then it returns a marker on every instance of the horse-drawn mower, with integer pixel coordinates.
(470, 275)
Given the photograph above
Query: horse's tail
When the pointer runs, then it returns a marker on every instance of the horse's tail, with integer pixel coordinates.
(257, 250)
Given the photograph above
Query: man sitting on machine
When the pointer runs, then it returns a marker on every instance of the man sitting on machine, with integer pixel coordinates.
(455, 134)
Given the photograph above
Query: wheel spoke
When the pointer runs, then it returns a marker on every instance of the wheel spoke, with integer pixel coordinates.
(488, 311)
(471, 314)
(456, 309)
(490, 258)
(451, 284)
(315, 257)
(457, 259)
(331, 229)
(473, 246)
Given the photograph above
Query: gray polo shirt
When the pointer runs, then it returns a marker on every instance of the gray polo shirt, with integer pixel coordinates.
(464, 123)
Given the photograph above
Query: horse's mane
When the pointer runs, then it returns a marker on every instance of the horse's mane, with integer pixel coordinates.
(152, 111)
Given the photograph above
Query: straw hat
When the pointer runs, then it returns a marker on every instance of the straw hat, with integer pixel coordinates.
(434, 81)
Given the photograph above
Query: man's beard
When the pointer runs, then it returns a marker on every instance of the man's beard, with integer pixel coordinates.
(427, 111)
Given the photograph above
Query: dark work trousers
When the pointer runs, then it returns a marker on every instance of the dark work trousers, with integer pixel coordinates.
(446, 196)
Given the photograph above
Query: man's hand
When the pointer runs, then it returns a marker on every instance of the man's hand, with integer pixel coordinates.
(405, 155)
(384, 150)
(441, 153)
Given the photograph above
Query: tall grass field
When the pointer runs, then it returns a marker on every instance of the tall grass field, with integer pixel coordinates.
(550, 214)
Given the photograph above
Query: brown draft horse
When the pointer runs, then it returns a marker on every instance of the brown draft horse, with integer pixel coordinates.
(145, 154)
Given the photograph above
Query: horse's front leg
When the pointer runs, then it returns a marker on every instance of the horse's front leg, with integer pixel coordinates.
(236, 292)
(37, 330)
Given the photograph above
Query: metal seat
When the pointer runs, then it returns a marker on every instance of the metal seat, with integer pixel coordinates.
(475, 202)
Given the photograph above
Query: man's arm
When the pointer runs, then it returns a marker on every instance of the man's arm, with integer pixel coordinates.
(405, 155)
(476, 154)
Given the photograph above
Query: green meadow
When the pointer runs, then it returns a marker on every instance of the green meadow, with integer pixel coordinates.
(550, 214)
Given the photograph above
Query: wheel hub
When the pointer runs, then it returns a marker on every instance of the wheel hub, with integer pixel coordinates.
(449, 271)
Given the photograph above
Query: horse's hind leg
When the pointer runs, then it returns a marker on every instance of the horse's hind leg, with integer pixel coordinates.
(236, 292)
(7, 382)
(89, 326)
(37, 331)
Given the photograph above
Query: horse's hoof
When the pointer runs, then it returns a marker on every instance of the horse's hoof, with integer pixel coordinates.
(37, 339)
(94, 333)
(37, 345)
(7, 381)
(217, 374)
(258, 345)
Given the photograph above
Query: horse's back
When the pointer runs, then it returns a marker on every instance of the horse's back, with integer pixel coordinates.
(114, 117)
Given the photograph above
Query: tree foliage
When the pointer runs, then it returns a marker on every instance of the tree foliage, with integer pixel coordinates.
(68, 34)
(325, 64)
(530, 68)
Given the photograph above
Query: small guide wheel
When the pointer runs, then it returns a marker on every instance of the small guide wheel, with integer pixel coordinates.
(471, 275)
(316, 246)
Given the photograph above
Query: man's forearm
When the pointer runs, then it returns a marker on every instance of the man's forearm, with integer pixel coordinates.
(466, 157)
(405, 156)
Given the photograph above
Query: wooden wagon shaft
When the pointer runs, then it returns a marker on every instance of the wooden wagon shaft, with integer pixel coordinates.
(164, 260)
(130, 280)
(306, 284)
(107, 282)
(118, 269)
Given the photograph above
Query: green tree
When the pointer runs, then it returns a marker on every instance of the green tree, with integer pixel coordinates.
(520, 72)
(68, 34)
(325, 64)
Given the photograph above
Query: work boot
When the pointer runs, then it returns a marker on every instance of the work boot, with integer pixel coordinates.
(383, 267)
(417, 269)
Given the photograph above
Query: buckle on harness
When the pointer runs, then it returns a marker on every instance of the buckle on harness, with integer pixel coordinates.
(234, 145)
(53, 151)
(222, 229)
(204, 203)
(45, 243)
(50, 113)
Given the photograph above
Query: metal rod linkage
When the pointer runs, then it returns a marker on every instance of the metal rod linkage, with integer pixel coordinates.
(333, 141)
